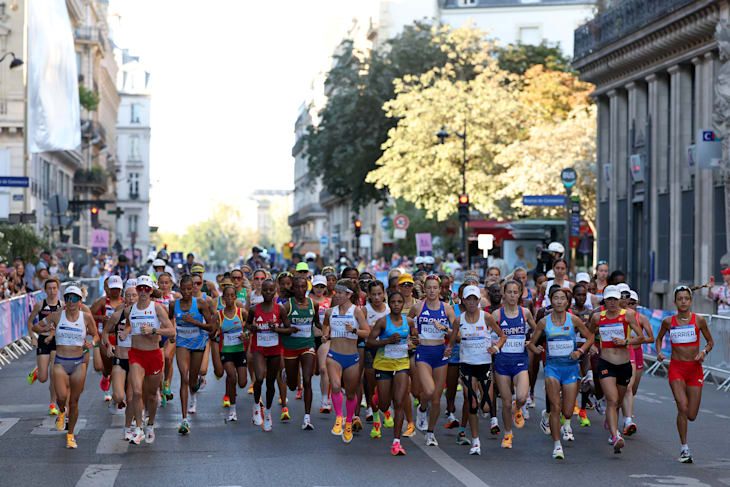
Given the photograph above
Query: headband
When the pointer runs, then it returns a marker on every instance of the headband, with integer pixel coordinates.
(725, 271)
(344, 289)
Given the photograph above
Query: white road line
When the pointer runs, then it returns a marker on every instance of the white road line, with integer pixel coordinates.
(722, 416)
(706, 411)
(48, 427)
(6, 424)
(99, 476)
(462, 474)
(30, 408)
(111, 442)
(648, 399)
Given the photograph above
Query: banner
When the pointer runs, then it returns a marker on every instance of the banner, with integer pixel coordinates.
(423, 244)
(54, 120)
(14, 317)
(100, 239)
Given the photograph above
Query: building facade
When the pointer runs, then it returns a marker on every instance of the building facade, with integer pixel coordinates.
(662, 219)
(133, 156)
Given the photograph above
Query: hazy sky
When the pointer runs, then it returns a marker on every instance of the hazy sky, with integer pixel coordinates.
(228, 77)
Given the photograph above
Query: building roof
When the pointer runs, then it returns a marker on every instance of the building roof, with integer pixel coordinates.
(458, 4)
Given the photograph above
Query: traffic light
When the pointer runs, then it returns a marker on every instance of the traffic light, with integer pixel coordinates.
(358, 228)
(95, 217)
(463, 207)
(291, 245)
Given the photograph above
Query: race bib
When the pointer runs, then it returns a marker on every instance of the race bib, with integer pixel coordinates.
(123, 343)
(514, 344)
(609, 332)
(560, 348)
(267, 339)
(188, 331)
(233, 338)
(397, 350)
(683, 334)
(430, 332)
(305, 330)
(474, 349)
(338, 326)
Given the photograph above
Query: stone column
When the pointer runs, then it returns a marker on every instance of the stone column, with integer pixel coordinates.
(619, 166)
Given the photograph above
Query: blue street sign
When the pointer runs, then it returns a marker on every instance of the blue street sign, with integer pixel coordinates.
(323, 240)
(544, 200)
(15, 182)
(385, 223)
(176, 258)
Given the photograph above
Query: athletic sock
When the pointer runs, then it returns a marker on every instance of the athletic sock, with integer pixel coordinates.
(350, 406)
(337, 403)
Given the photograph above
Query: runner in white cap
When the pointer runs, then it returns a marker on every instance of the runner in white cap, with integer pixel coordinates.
(637, 365)
(103, 308)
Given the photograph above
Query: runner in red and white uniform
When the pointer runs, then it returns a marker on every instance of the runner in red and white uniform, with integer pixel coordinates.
(685, 365)
(102, 309)
(167, 296)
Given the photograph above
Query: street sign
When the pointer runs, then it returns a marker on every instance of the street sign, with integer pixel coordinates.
(709, 149)
(399, 233)
(385, 223)
(485, 241)
(544, 200)
(365, 241)
(401, 222)
(323, 240)
(18, 197)
(100, 239)
(568, 176)
(15, 182)
(58, 204)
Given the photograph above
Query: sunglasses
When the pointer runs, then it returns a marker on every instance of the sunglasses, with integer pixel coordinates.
(238, 278)
(197, 283)
(72, 298)
(406, 284)
(602, 262)
(433, 276)
(144, 289)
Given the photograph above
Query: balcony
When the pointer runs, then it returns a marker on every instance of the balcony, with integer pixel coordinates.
(305, 214)
(617, 22)
(91, 36)
(92, 129)
(94, 180)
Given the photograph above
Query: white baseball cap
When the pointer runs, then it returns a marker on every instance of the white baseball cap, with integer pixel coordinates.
(130, 283)
(582, 277)
(472, 291)
(73, 290)
(158, 263)
(319, 280)
(310, 256)
(145, 280)
(611, 292)
(115, 282)
(556, 247)
(634, 295)
(623, 287)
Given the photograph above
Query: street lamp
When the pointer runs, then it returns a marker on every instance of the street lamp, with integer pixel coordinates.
(463, 197)
(15, 62)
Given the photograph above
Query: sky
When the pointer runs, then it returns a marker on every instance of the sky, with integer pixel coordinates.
(227, 80)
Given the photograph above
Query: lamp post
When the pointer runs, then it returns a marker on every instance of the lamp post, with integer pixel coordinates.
(463, 197)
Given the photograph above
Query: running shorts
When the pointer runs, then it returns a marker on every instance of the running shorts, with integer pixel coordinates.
(637, 357)
(237, 358)
(298, 352)
(621, 372)
(565, 374)
(433, 355)
(121, 362)
(388, 374)
(317, 342)
(45, 348)
(345, 360)
(688, 371)
(509, 365)
(479, 371)
(150, 360)
(69, 364)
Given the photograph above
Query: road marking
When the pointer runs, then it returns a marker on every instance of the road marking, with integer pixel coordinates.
(648, 399)
(48, 427)
(722, 416)
(99, 476)
(6, 424)
(706, 411)
(662, 480)
(462, 474)
(31, 408)
(111, 442)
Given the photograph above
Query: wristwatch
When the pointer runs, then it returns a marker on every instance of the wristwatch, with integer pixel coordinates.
(154, 331)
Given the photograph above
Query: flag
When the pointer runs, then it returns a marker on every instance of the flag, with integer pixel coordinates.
(53, 91)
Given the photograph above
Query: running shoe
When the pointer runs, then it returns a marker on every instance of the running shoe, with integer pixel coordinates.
(601, 406)
(410, 430)
(232, 416)
(618, 443)
(558, 453)
(337, 428)
(356, 423)
(196, 387)
(507, 440)
(104, 383)
(70, 441)
(256, 418)
(202, 381)
(285, 416)
(431, 440)
(250, 388)
(388, 423)
(630, 428)
(226, 402)
(307, 423)
(576, 410)
(193, 405)
(583, 418)
(268, 423)
(494, 426)
(545, 422)
(33, 376)
(685, 456)
(325, 407)
(567, 432)
(396, 449)
(363, 402)
(461, 439)
(52, 409)
(519, 419)
(530, 403)
(183, 429)
(369, 415)
(416, 402)
(375, 432)
(163, 400)
(526, 413)
(60, 421)
(475, 449)
(299, 394)
(128, 433)
(458, 388)
(453, 422)
(166, 391)
(347, 434)
(421, 419)
(107, 397)
(149, 434)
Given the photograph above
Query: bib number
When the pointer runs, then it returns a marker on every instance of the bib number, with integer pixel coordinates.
(397, 350)
(233, 338)
(560, 348)
(267, 339)
(683, 334)
(514, 344)
(609, 332)
(305, 330)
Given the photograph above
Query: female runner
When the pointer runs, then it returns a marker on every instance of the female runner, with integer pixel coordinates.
(375, 308)
(232, 354)
(637, 365)
(322, 301)
(103, 307)
(167, 296)
(254, 298)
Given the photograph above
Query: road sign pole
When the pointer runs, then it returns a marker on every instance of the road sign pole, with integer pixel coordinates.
(566, 255)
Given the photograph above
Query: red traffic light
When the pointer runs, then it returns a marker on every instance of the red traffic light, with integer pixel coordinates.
(358, 224)
(291, 245)
(463, 199)
(94, 210)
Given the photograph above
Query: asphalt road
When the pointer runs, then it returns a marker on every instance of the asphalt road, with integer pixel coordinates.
(217, 453)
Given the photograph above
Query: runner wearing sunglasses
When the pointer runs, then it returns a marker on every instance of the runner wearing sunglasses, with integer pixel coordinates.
(103, 308)
(320, 299)
(254, 297)
(406, 285)
(167, 296)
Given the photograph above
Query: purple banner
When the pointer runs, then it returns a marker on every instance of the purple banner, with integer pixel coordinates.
(14, 316)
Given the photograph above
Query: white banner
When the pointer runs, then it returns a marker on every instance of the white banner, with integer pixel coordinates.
(53, 91)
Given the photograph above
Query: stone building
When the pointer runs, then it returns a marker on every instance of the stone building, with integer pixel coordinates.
(655, 66)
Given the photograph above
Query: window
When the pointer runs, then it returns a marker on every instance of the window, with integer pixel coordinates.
(663, 229)
(467, 3)
(135, 110)
(529, 35)
(720, 230)
(133, 184)
(134, 150)
(46, 179)
(687, 249)
(132, 221)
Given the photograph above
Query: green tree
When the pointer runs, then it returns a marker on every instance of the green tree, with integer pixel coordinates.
(20, 241)
(88, 99)
(518, 58)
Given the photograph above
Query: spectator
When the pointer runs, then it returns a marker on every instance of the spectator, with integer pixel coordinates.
(4, 289)
(91, 269)
(122, 268)
(494, 260)
(256, 261)
(544, 261)
(45, 260)
(721, 294)
(189, 263)
(18, 284)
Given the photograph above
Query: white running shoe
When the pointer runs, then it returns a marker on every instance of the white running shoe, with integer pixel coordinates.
(137, 436)
(107, 396)
(567, 432)
(525, 412)
(307, 423)
(232, 415)
(601, 406)
(545, 422)
(530, 403)
(149, 434)
(421, 419)
(193, 404)
(128, 433)
(475, 450)
(431, 440)
(202, 381)
(494, 423)
(256, 418)
(558, 453)
(268, 423)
